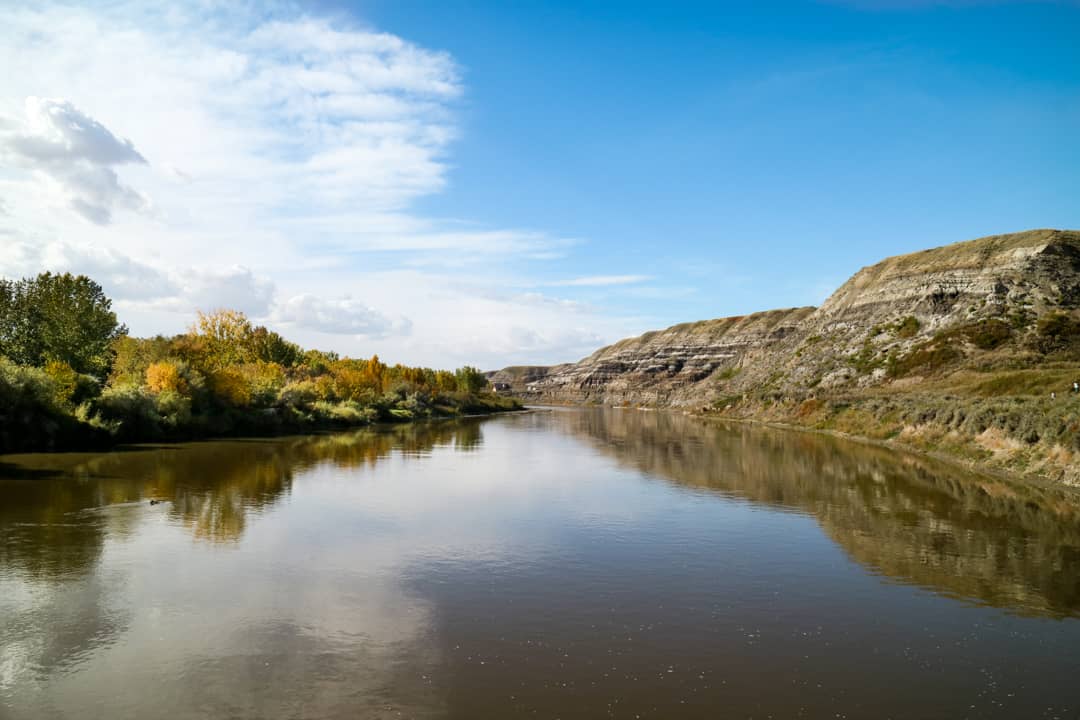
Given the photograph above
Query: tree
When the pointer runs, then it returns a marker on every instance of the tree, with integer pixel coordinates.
(270, 347)
(65, 318)
(470, 380)
(225, 338)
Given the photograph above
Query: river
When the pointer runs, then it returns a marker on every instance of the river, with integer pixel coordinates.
(562, 563)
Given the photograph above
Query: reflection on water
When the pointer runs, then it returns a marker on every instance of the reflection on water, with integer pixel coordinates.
(999, 542)
(210, 488)
(568, 563)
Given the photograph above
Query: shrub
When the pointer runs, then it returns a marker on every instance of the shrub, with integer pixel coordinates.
(264, 381)
(128, 411)
(1056, 331)
(298, 394)
(348, 412)
(230, 386)
(174, 409)
(866, 360)
(908, 327)
(65, 380)
(928, 357)
(988, 334)
(31, 414)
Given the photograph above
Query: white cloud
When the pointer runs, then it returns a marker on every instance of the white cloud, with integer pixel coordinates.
(601, 281)
(122, 277)
(269, 161)
(235, 288)
(343, 316)
(58, 141)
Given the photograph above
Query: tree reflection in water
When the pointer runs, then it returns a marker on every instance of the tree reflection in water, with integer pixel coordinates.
(993, 541)
(57, 509)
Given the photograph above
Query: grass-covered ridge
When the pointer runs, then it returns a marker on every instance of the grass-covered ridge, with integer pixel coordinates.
(70, 376)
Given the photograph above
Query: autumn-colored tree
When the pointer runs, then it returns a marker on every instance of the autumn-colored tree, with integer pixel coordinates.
(166, 376)
(445, 381)
(65, 379)
(264, 380)
(223, 338)
(350, 382)
(229, 385)
(375, 374)
(133, 355)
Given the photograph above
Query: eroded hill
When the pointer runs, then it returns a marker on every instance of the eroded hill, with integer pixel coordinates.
(956, 349)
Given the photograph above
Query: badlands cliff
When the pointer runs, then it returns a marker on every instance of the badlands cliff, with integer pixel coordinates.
(955, 331)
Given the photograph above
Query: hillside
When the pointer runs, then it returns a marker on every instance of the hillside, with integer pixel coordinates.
(954, 349)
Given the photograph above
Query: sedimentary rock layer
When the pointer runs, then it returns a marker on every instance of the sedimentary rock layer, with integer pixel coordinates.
(884, 313)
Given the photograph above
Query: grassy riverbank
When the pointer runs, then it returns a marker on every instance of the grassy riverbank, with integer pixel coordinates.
(1019, 434)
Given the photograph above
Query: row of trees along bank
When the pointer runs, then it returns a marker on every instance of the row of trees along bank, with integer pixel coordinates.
(72, 377)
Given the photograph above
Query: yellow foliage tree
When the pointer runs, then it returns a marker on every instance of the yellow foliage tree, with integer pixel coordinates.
(165, 375)
(64, 377)
(230, 384)
(264, 381)
(224, 338)
(375, 374)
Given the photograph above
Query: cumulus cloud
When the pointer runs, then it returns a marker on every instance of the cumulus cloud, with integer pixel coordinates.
(59, 141)
(234, 288)
(343, 316)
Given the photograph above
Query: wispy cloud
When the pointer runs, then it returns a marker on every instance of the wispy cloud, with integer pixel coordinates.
(600, 281)
(212, 154)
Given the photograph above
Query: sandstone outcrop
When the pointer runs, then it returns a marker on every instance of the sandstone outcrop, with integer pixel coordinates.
(889, 324)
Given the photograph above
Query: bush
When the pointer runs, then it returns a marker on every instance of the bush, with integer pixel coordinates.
(298, 394)
(174, 409)
(908, 327)
(988, 334)
(31, 414)
(928, 357)
(1057, 331)
(230, 386)
(347, 412)
(129, 412)
(264, 381)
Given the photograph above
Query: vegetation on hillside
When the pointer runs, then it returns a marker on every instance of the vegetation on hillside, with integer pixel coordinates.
(71, 376)
(990, 392)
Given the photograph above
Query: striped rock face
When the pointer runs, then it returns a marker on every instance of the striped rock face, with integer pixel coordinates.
(952, 297)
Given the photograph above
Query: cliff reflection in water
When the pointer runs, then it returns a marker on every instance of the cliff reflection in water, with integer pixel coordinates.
(992, 541)
(58, 509)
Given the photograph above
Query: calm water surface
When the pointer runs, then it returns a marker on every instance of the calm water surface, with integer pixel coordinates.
(559, 564)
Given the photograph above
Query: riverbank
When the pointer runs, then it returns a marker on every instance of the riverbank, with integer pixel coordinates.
(1019, 436)
(35, 422)
(71, 378)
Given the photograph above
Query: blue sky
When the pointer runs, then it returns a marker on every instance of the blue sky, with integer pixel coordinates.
(562, 174)
(780, 146)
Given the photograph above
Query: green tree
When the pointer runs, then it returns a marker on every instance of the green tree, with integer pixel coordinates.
(58, 317)
(470, 380)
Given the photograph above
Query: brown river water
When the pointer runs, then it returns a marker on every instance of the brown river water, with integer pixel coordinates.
(568, 563)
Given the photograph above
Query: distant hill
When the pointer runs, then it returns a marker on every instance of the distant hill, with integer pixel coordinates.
(965, 341)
